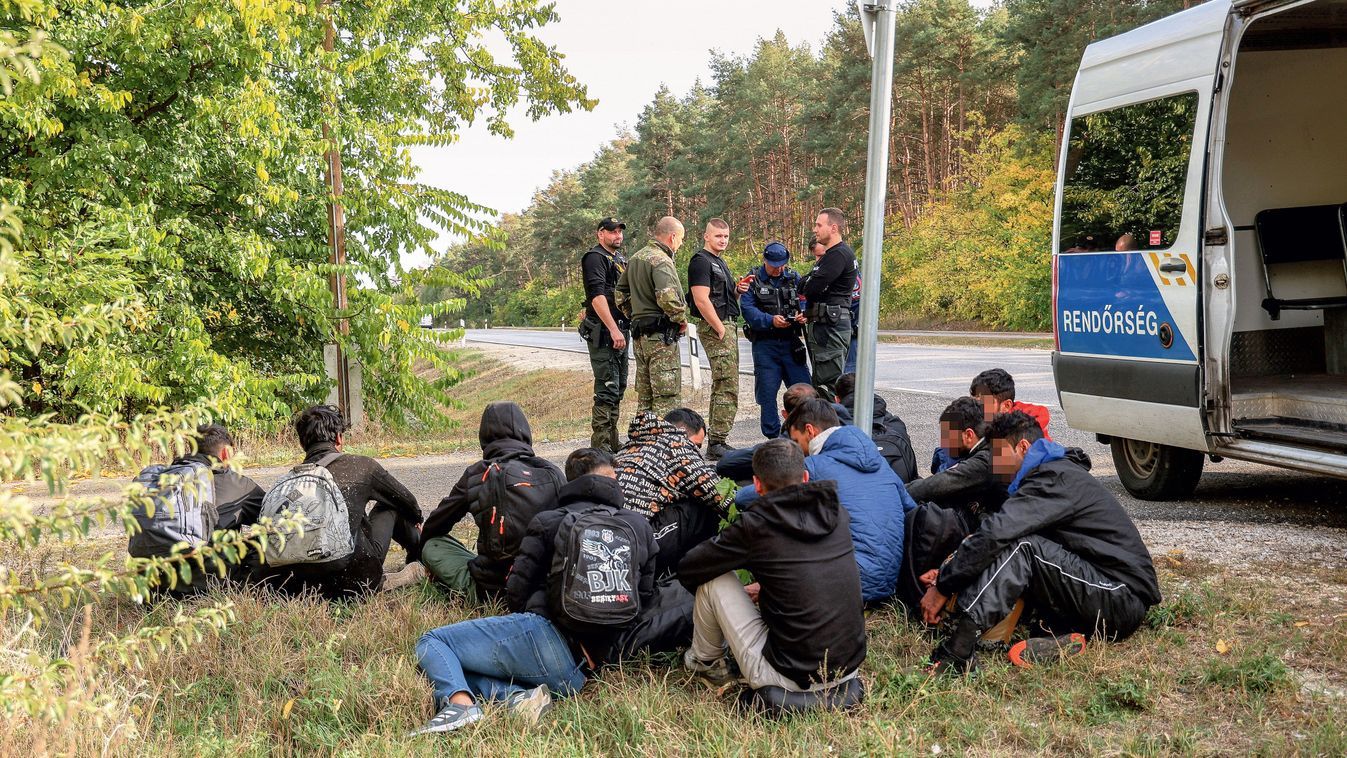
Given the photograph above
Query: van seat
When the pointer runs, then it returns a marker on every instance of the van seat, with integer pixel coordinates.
(1292, 236)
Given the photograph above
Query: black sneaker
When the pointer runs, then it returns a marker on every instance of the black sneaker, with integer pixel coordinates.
(452, 716)
(943, 664)
(717, 450)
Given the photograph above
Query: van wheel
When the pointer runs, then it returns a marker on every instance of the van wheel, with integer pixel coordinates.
(1151, 471)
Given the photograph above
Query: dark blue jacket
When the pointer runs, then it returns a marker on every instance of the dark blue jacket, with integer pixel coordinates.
(875, 498)
(756, 318)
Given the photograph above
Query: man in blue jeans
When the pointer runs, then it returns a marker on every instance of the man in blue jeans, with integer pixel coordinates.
(522, 659)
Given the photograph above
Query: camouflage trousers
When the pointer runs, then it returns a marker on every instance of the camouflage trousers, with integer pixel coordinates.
(723, 355)
(659, 374)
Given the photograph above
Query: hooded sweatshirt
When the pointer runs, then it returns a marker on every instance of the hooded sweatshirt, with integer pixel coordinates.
(526, 588)
(1055, 497)
(660, 466)
(875, 498)
(797, 544)
(504, 433)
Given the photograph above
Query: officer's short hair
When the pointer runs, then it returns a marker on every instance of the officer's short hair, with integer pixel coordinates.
(686, 419)
(1013, 427)
(717, 222)
(846, 384)
(965, 413)
(835, 216)
(815, 242)
(211, 439)
(817, 412)
(778, 463)
(587, 460)
(796, 394)
(667, 226)
(995, 382)
(319, 424)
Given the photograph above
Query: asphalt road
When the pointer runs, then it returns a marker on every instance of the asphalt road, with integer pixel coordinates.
(921, 369)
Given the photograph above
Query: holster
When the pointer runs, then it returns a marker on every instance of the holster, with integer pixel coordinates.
(588, 329)
(824, 313)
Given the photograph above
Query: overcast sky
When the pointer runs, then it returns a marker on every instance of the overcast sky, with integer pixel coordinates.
(622, 50)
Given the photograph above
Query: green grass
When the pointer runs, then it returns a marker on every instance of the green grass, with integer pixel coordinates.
(305, 677)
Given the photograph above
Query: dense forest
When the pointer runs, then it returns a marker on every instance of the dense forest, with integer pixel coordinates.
(979, 102)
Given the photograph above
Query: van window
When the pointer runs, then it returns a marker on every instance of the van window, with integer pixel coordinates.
(1126, 170)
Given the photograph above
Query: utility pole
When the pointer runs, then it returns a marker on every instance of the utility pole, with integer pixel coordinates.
(877, 20)
(336, 226)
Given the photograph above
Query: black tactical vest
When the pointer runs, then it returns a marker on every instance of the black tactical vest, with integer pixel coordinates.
(723, 296)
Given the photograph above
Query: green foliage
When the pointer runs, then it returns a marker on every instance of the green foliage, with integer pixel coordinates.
(168, 164)
(983, 252)
(1253, 674)
(1117, 698)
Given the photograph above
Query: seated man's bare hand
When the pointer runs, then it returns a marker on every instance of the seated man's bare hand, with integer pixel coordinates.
(933, 605)
(753, 590)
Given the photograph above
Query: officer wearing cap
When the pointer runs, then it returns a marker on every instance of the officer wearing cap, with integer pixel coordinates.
(771, 311)
(605, 330)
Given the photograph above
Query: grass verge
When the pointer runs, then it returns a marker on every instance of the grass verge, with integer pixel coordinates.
(1223, 666)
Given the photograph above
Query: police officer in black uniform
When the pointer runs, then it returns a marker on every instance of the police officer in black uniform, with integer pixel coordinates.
(827, 288)
(605, 330)
(775, 325)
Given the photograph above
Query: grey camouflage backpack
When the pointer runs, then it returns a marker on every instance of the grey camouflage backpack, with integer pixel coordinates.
(309, 490)
(180, 508)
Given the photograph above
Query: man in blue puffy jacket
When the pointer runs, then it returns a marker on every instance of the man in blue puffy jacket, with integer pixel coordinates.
(873, 495)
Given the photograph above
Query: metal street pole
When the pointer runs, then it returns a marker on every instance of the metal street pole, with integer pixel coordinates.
(336, 229)
(881, 16)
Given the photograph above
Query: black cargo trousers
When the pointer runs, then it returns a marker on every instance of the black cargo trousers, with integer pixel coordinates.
(1066, 593)
(610, 384)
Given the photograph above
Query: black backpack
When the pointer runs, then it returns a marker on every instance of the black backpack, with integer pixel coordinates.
(931, 534)
(890, 436)
(512, 493)
(593, 585)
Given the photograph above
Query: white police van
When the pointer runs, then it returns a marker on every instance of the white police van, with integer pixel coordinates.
(1200, 243)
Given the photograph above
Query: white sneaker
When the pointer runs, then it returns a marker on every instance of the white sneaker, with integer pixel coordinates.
(451, 717)
(530, 705)
(410, 574)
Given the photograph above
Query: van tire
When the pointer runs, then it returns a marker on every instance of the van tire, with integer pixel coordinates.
(1151, 471)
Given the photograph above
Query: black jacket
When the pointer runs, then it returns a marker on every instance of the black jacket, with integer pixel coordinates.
(599, 270)
(1060, 501)
(526, 587)
(833, 277)
(903, 459)
(797, 543)
(967, 485)
(504, 431)
(238, 499)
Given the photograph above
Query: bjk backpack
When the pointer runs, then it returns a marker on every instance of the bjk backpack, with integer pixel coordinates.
(593, 583)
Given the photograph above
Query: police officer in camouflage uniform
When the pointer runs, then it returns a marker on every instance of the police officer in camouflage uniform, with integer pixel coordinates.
(651, 295)
(774, 324)
(827, 288)
(713, 294)
(605, 330)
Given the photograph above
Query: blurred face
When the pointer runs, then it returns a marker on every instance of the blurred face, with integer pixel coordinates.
(1007, 458)
(773, 270)
(818, 249)
(678, 236)
(716, 239)
(696, 438)
(991, 407)
(611, 240)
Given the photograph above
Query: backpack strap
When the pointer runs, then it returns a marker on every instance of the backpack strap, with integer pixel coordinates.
(327, 460)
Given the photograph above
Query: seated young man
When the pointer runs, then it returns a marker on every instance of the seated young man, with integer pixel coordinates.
(995, 389)
(738, 463)
(664, 477)
(807, 631)
(361, 481)
(873, 495)
(522, 659)
(237, 499)
(502, 492)
(887, 430)
(1061, 542)
(967, 484)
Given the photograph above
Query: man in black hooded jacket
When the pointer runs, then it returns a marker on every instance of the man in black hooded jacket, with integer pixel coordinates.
(1061, 542)
(593, 483)
(505, 436)
(810, 632)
